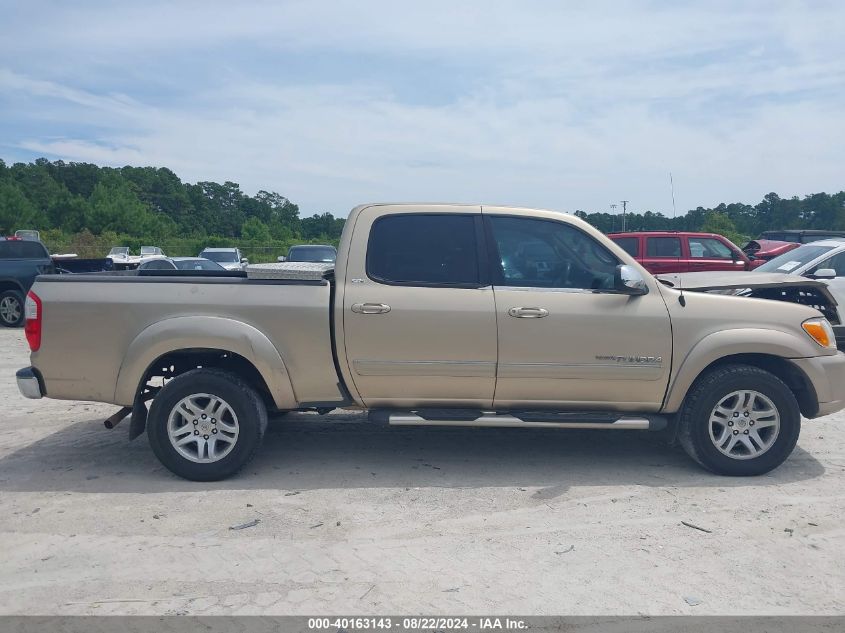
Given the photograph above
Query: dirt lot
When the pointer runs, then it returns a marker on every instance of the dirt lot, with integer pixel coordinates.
(358, 518)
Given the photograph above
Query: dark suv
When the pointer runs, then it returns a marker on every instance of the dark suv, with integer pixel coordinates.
(21, 260)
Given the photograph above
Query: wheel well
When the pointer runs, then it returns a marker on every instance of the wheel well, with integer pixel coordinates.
(794, 377)
(10, 285)
(178, 362)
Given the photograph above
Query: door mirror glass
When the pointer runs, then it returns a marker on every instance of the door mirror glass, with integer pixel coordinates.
(824, 273)
(629, 281)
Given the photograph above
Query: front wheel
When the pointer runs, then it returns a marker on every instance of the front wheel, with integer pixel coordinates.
(11, 308)
(206, 424)
(739, 420)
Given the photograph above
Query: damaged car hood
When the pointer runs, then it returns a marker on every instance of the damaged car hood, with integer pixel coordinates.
(740, 279)
(774, 286)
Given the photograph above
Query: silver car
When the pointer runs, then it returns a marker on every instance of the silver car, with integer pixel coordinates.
(228, 258)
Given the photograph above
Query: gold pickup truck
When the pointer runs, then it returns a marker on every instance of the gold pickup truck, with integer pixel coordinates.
(443, 315)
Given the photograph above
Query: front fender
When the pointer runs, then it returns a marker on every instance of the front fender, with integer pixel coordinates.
(724, 343)
(204, 332)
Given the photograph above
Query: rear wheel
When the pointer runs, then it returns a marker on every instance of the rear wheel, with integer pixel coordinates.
(206, 424)
(739, 420)
(11, 308)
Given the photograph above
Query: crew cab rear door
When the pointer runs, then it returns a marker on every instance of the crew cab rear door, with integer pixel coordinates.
(665, 254)
(567, 339)
(419, 317)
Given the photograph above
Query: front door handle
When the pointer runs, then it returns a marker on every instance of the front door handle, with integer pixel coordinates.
(528, 313)
(370, 308)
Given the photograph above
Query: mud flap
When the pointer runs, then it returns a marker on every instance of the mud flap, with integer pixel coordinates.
(138, 421)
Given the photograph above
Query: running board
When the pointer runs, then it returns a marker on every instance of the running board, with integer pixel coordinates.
(569, 421)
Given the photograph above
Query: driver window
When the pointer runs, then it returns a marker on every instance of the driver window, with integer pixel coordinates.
(548, 254)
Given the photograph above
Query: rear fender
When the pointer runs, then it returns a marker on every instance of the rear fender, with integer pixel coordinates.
(204, 332)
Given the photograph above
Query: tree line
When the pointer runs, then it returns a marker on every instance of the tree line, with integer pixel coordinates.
(86, 208)
(737, 221)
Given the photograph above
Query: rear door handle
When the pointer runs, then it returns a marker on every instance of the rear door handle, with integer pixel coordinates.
(370, 308)
(528, 313)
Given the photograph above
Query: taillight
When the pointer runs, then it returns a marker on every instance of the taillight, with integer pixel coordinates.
(34, 315)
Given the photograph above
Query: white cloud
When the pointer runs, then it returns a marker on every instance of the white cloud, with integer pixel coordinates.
(571, 108)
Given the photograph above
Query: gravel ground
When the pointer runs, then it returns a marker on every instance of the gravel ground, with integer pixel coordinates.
(358, 518)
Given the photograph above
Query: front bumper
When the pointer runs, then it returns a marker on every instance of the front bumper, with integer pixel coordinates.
(827, 374)
(29, 383)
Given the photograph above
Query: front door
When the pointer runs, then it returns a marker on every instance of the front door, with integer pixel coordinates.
(567, 339)
(419, 318)
(709, 253)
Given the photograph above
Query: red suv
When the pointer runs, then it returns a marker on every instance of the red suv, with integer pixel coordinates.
(683, 252)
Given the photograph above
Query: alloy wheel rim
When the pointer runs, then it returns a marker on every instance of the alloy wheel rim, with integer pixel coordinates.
(744, 424)
(203, 428)
(10, 309)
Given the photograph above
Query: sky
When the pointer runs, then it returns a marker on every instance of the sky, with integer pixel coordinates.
(562, 105)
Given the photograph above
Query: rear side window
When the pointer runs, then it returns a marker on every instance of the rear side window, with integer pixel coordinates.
(663, 247)
(630, 245)
(21, 249)
(423, 249)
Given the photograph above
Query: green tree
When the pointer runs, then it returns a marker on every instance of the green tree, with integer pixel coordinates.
(16, 211)
(254, 230)
(115, 207)
(722, 224)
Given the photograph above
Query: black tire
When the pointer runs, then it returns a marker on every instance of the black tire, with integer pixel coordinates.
(242, 399)
(708, 391)
(11, 300)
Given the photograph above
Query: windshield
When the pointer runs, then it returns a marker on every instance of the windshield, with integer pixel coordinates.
(150, 250)
(197, 264)
(119, 250)
(789, 262)
(312, 254)
(220, 256)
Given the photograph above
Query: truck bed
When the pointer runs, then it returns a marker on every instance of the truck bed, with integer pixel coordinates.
(99, 316)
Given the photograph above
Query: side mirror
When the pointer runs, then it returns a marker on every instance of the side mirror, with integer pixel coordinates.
(629, 281)
(824, 273)
(281, 258)
(244, 260)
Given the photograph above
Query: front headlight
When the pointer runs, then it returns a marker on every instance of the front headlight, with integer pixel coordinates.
(820, 331)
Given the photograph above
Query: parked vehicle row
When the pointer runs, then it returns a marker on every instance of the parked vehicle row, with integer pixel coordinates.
(437, 315)
(227, 258)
